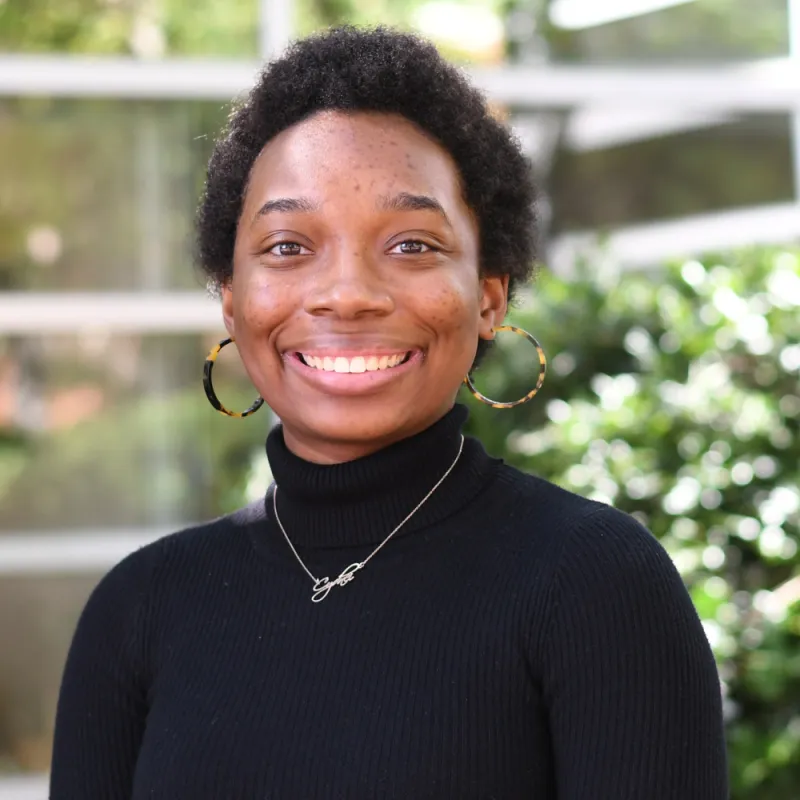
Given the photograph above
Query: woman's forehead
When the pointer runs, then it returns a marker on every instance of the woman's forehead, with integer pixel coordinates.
(362, 130)
(379, 155)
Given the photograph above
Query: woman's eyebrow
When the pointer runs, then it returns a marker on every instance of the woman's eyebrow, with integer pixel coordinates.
(405, 201)
(287, 205)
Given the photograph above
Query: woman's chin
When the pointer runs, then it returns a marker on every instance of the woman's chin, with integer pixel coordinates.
(339, 429)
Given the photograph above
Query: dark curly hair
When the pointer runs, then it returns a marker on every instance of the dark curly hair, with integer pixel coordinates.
(382, 70)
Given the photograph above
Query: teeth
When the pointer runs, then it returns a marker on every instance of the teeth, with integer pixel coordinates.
(357, 364)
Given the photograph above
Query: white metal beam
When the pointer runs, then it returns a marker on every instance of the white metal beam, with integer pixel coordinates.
(275, 26)
(762, 86)
(652, 244)
(67, 553)
(794, 53)
(580, 14)
(24, 787)
(124, 78)
(596, 128)
(145, 312)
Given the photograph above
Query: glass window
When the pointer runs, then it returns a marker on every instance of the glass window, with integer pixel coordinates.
(116, 432)
(37, 619)
(711, 165)
(100, 195)
(699, 31)
(609, 167)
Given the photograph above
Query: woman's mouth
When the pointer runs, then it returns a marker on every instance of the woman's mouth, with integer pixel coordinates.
(357, 364)
(353, 374)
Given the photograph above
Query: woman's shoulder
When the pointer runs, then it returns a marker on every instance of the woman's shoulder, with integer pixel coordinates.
(585, 554)
(226, 534)
(534, 501)
(182, 552)
(573, 528)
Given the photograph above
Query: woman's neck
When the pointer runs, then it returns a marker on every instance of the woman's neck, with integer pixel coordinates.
(358, 502)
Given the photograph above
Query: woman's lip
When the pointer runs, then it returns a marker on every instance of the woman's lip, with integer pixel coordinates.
(351, 352)
(353, 383)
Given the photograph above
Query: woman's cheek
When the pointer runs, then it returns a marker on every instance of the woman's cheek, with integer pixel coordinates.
(453, 309)
(264, 306)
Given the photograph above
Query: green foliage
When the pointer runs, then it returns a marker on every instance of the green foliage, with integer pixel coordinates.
(675, 396)
(141, 27)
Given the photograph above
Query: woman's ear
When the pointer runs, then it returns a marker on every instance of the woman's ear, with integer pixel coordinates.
(226, 293)
(493, 304)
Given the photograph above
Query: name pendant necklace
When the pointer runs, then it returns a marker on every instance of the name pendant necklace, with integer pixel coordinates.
(322, 586)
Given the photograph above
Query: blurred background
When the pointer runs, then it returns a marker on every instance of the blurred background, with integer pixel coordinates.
(666, 138)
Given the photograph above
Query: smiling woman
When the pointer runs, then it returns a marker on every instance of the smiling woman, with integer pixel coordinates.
(400, 615)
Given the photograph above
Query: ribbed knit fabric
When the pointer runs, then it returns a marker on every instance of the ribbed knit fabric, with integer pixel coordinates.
(513, 641)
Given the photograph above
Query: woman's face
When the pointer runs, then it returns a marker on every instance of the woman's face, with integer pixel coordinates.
(356, 300)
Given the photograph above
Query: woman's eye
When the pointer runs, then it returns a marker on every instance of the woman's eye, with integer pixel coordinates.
(412, 247)
(286, 249)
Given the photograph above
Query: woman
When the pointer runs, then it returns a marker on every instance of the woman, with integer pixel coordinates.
(402, 616)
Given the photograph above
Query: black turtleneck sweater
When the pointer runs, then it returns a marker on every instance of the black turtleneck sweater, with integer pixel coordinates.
(514, 640)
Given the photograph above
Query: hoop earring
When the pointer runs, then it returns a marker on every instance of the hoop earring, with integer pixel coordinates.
(209, 386)
(539, 381)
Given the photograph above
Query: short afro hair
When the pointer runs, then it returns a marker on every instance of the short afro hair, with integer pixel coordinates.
(379, 70)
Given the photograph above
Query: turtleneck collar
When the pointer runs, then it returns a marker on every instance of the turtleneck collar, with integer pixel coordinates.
(359, 502)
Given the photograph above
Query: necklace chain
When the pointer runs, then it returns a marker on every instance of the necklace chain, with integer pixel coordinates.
(323, 586)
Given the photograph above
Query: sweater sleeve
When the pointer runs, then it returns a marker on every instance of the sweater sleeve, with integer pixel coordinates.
(628, 676)
(102, 704)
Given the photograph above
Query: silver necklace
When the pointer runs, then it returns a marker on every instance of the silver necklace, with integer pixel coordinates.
(323, 586)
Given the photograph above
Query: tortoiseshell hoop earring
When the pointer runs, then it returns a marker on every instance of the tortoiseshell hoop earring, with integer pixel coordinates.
(539, 381)
(209, 387)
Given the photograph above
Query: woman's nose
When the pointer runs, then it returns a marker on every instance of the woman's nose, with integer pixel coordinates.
(349, 287)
